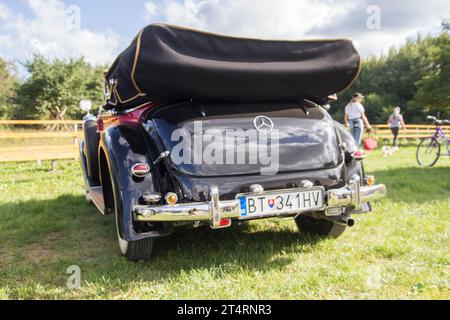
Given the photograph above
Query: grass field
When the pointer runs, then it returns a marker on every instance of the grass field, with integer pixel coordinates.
(400, 251)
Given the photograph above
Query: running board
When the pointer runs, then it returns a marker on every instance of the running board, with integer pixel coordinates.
(96, 195)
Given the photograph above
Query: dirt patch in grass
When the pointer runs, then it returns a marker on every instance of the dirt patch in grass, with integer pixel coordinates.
(44, 251)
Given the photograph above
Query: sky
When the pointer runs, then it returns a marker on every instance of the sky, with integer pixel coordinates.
(100, 29)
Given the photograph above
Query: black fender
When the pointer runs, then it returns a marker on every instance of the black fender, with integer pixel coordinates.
(353, 166)
(346, 137)
(123, 146)
(91, 138)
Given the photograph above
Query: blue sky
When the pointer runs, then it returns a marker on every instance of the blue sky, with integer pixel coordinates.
(125, 16)
(107, 27)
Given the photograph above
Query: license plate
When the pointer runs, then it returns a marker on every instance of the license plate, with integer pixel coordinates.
(281, 203)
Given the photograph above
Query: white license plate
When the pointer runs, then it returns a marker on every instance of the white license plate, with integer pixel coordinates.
(281, 203)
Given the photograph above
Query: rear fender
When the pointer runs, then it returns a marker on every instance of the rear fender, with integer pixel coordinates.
(124, 146)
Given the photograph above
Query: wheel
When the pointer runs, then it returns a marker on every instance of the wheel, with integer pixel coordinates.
(428, 152)
(320, 227)
(140, 250)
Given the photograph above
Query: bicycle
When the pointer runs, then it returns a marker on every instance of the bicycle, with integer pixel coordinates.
(429, 149)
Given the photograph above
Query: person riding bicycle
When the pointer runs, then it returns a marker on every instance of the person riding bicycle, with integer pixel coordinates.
(355, 117)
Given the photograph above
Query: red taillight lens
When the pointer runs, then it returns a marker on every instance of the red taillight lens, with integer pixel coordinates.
(100, 125)
(225, 222)
(140, 170)
(358, 155)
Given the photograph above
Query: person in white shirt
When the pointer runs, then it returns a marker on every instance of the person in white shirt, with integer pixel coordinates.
(355, 118)
(396, 122)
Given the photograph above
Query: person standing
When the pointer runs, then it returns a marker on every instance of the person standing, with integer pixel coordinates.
(396, 122)
(355, 118)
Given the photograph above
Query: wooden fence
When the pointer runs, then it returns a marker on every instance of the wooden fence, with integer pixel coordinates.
(413, 132)
(42, 130)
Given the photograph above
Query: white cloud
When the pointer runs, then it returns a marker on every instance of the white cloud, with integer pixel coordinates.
(51, 32)
(297, 19)
(289, 19)
(150, 10)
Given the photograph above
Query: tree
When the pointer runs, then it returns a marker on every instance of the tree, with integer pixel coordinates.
(434, 87)
(55, 88)
(403, 77)
(8, 84)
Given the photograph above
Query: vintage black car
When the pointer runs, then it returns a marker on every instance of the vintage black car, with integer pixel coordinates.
(187, 114)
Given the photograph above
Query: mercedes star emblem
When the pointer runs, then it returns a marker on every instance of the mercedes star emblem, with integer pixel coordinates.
(263, 124)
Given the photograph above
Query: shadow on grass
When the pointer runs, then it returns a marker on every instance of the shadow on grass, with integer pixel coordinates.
(414, 184)
(81, 236)
(68, 231)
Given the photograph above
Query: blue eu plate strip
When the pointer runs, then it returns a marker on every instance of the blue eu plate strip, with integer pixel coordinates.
(243, 201)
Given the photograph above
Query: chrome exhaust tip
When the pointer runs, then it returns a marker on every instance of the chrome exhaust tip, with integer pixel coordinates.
(342, 220)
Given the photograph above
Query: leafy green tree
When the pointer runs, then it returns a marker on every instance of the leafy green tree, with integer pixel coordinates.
(55, 88)
(434, 87)
(402, 77)
(8, 84)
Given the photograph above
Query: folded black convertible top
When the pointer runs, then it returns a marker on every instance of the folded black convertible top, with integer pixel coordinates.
(172, 63)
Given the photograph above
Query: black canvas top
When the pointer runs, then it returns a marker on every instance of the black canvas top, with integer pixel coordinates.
(172, 63)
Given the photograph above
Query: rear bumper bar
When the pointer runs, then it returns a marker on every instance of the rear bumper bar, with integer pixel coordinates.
(215, 211)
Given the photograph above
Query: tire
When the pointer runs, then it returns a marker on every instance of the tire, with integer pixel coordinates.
(428, 152)
(319, 227)
(140, 250)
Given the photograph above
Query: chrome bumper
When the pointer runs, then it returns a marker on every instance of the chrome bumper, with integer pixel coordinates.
(215, 211)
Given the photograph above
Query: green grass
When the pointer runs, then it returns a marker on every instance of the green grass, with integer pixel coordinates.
(400, 251)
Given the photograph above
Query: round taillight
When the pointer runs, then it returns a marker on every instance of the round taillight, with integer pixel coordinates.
(171, 198)
(370, 180)
(140, 170)
(358, 155)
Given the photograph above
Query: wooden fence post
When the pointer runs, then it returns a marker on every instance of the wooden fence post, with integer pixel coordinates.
(75, 130)
(53, 165)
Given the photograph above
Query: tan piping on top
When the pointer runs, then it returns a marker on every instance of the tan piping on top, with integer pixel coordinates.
(136, 57)
(138, 49)
(128, 100)
(245, 38)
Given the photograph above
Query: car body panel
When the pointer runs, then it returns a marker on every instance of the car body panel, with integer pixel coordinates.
(141, 135)
(303, 141)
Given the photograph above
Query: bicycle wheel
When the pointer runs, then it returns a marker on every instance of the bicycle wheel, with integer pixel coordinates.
(428, 152)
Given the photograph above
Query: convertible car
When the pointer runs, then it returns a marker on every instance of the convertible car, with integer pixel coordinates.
(200, 129)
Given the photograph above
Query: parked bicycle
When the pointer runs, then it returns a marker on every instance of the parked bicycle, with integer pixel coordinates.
(429, 149)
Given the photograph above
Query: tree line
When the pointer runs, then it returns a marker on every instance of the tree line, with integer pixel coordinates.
(52, 90)
(415, 77)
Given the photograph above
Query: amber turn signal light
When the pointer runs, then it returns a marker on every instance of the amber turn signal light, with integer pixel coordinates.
(171, 198)
(370, 180)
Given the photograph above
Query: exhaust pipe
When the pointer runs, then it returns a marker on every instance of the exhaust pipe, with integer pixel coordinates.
(342, 220)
